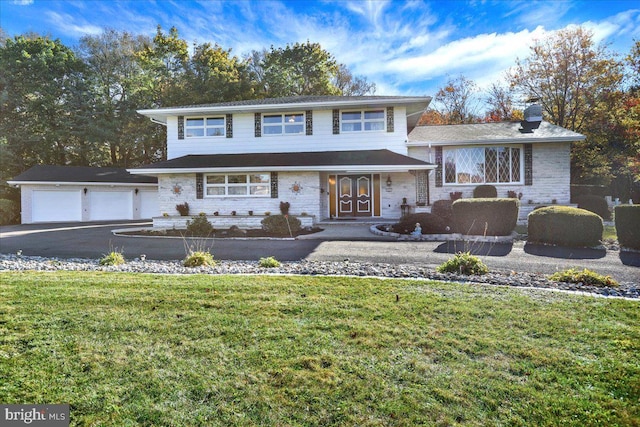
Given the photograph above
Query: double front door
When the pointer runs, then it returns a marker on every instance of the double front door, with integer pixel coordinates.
(354, 195)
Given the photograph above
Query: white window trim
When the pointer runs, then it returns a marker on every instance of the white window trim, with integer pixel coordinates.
(283, 124)
(363, 120)
(204, 127)
(457, 184)
(247, 184)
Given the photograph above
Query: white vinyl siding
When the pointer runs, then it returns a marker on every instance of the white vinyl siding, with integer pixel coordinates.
(323, 139)
(246, 185)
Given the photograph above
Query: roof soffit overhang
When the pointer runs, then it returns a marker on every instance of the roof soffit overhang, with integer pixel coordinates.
(336, 168)
(494, 141)
(414, 105)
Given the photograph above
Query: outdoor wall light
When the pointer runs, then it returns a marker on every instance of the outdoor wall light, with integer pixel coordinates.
(85, 190)
(389, 181)
(136, 191)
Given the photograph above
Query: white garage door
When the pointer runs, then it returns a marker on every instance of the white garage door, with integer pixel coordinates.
(110, 205)
(52, 205)
(149, 204)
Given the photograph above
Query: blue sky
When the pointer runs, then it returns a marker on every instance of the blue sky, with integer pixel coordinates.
(405, 47)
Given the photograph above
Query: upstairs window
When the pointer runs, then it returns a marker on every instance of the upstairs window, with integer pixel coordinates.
(249, 185)
(283, 124)
(362, 121)
(199, 127)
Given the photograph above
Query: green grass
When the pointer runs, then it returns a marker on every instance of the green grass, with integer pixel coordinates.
(128, 350)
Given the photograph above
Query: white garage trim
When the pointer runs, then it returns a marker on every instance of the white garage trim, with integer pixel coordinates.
(56, 205)
(110, 205)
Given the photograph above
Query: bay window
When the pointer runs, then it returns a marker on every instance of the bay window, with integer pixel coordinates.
(249, 185)
(483, 165)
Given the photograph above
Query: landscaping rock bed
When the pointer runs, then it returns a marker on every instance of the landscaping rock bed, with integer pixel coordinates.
(314, 268)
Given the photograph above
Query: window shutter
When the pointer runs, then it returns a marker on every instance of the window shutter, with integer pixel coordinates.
(336, 122)
(439, 168)
(308, 122)
(389, 119)
(274, 185)
(199, 186)
(229, 122)
(257, 124)
(528, 164)
(180, 127)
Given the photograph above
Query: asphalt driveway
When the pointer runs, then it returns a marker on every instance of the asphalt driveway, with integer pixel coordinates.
(353, 243)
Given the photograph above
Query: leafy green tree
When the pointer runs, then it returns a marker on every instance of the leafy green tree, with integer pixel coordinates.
(165, 61)
(213, 75)
(299, 69)
(39, 78)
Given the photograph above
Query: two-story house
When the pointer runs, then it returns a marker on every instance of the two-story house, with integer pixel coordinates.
(327, 156)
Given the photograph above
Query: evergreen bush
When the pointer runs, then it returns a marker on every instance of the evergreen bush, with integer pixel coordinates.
(586, 277)
(485, 217)
(269, 262)
(564, 226)
(112, 258)
(281, 225)
(442, 208)
(486, 191)
(595, 204)
(9, 212)
(200, 226)
(628, 225)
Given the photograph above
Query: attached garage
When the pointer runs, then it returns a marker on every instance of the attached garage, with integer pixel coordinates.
(56, 205)
(105, 205)
(69, 194)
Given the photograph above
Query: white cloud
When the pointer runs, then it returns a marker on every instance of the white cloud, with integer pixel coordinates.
(65, 23)
(23, 2)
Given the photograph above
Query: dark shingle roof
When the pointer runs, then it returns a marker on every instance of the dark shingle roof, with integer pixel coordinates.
(490, 132)
(301, 100)
(283, 160)
(50, 173)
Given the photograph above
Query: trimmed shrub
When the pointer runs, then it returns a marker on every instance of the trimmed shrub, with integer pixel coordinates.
(183, 209)
(200, 226)
(586, 277)
(281, 225)
(485, 192)
(596, 204)
(9, 212)
(463, 263)
(628, 225)
(430, 224)
(442, 208)
(564, 226)
(485, 217)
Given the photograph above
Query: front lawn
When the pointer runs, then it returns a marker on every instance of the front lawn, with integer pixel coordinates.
(127, 349)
